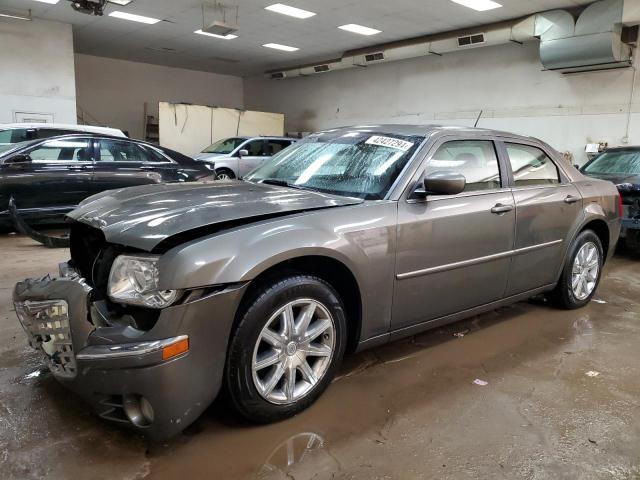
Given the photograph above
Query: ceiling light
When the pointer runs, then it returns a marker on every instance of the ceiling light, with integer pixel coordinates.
(277, 46)
(16, 16)
(121, 2)
(291, 11)
(224, 37)
(479, 5)
(133, 18)
(50, 2)
(352, 27)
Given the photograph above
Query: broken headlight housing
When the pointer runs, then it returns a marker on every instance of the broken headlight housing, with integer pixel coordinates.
(134, 280)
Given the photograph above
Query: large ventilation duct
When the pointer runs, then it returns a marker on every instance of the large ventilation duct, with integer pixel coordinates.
(593, 42)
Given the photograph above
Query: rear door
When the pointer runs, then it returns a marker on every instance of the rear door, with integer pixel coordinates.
(56, 179)
(548, 207)
(123, 163)
(256, 149)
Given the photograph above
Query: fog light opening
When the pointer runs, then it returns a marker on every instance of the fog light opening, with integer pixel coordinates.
(138, 410)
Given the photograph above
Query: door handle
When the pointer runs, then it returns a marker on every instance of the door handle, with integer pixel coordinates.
(571, 199)
(501, 208)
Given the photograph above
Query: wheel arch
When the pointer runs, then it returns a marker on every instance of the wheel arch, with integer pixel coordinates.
(329, 269)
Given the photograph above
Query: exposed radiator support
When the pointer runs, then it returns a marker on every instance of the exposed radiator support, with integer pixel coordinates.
(595, 41)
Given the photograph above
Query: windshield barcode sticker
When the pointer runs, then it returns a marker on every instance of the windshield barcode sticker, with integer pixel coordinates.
(389, 142)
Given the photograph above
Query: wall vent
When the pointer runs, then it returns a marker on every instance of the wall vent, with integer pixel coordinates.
(374, 57)
(469, 40)
(321, 68)
(277, 76)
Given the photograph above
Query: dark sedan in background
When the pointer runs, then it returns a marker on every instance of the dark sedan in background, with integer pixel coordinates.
(622, 167)
(49, 177)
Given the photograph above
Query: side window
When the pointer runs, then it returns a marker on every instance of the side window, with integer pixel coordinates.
(254, 148)
(14, 135)
(118, 151)
(66, 150)
(531, 166)
(275, 146)
(154, 155)
(475, 159)
(5, 137)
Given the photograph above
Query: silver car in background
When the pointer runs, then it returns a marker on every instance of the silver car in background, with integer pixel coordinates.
(351, 238)
(236, 156)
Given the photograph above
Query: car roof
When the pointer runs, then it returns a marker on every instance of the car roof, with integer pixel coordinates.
(422, 130)
(65, 126)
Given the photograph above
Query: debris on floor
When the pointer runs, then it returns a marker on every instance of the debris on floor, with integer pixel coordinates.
(482, 383)
(461, 334)
(592, 373)
(597, 300)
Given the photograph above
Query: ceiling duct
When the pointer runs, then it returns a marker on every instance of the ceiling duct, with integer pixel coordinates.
(592, 42)
(220, 27)
(599, 39)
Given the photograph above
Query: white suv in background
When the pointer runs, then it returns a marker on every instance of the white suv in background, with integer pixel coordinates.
(236, 156)
(11, 133)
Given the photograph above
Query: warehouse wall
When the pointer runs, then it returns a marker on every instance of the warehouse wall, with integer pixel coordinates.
(36, 74)
(112, 92)
(507, 82)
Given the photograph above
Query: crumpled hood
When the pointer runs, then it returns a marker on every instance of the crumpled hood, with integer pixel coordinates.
(142, 217)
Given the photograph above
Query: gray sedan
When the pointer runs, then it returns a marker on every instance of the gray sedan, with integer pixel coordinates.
(349, 239)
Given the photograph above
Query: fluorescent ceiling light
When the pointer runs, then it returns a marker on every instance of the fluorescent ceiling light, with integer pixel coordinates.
(352, 27)
(479, 5)
(291, 11)
(133, 18)
(277, 46)
(224, 37)
(15, 16)
(50, 2)
(121, 2)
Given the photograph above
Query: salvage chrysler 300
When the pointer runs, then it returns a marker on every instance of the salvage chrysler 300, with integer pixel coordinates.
(348, 239)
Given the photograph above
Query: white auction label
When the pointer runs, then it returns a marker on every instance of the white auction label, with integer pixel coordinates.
(390, 142)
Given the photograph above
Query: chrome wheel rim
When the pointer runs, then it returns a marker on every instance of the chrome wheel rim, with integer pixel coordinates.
(223, 176)
(293, 351)
(584, 275)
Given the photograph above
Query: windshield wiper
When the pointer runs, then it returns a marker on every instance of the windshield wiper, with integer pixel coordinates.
(283, 183)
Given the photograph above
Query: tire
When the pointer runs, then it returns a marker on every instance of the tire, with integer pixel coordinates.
(248, 383)
(224, 174)
(565, 295)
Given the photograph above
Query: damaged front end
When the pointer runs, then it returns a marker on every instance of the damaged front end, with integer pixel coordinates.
(154, 372)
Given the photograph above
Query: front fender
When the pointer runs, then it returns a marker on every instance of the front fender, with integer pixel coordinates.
(362, 237)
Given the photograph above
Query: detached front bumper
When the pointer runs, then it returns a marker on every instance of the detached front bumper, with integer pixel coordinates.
(145, 380)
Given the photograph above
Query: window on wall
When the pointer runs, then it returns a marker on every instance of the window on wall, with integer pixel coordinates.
(531, 166)
(475, 159)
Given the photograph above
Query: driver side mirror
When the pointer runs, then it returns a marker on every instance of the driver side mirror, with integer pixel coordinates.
(444, 183)
(243, 153)
(20, 158)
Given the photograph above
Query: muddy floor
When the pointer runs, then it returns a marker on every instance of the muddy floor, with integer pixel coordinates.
(561, 400)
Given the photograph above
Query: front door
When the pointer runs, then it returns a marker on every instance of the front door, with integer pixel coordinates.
(453, 251)
(256, 149)
(55, 180)
(547, 207)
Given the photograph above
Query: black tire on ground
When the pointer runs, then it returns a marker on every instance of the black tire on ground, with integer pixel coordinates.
(563, 296)
(254, 315)
(224, 173)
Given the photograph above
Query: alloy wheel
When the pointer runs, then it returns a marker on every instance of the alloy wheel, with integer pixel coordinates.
(584, 274)
(293, 351)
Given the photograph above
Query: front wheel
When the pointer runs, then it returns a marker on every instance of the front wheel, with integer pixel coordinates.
(286, 349)
(581, 273)
(224, 174)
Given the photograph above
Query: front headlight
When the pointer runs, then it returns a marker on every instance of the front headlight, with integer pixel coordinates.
(134, 280)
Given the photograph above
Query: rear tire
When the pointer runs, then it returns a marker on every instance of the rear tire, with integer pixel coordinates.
(224, 174)
(286, 348)
(581, 273)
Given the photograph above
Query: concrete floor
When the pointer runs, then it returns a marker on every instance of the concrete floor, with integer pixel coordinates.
(407, 410)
